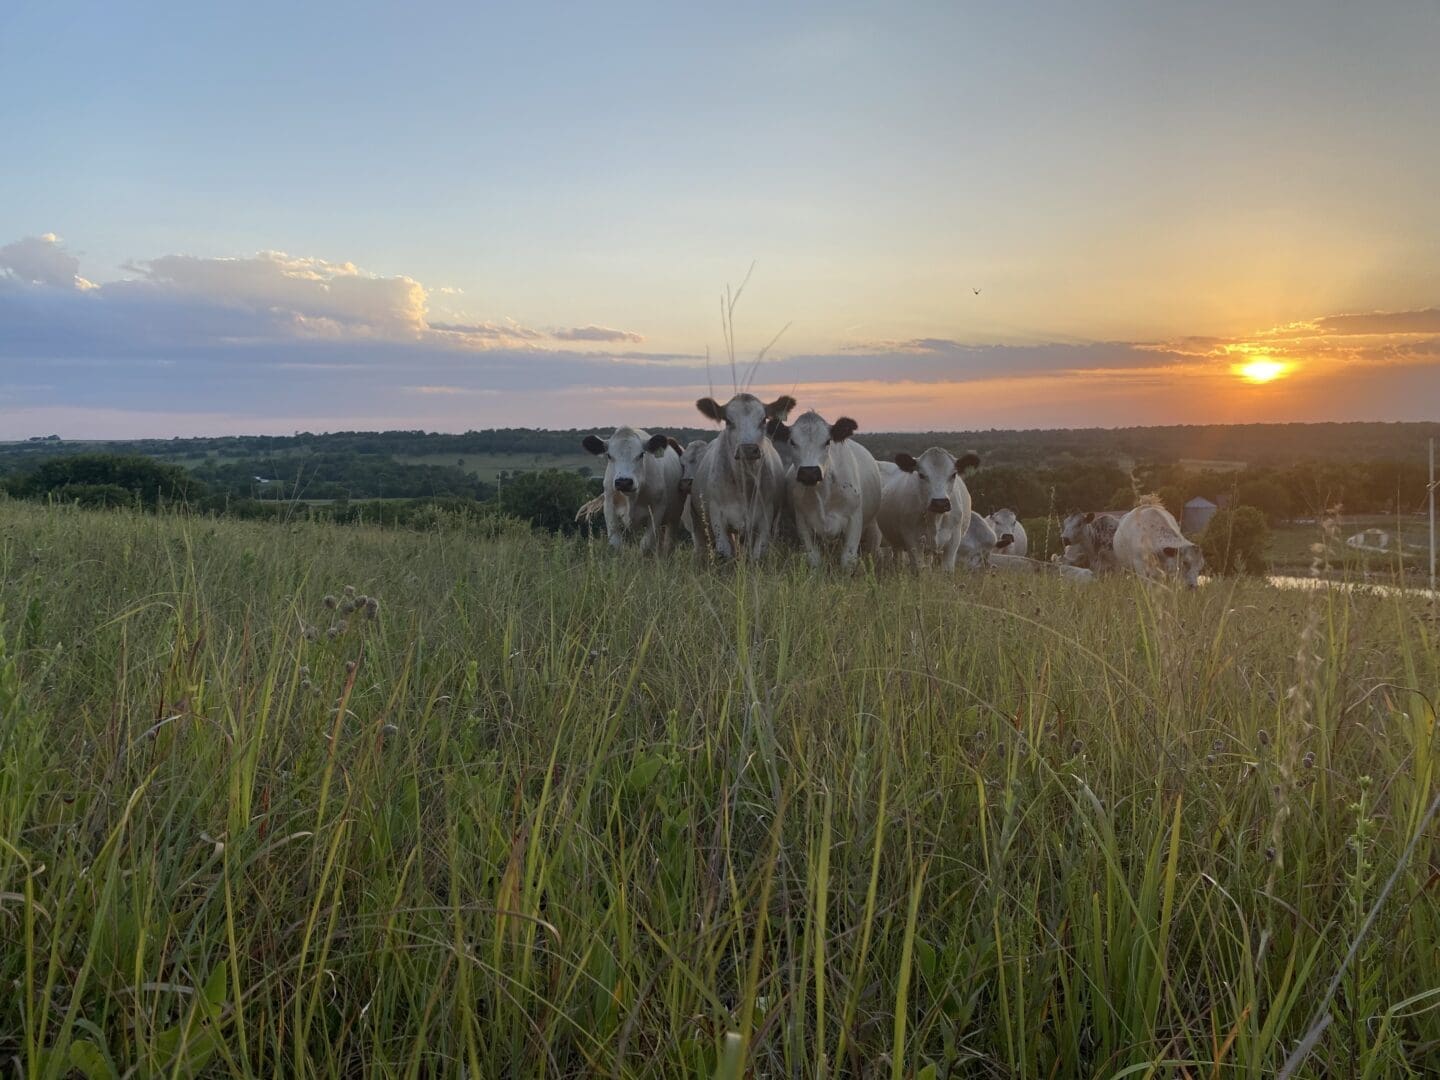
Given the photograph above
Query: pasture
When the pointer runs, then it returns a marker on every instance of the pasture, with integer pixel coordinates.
(552, 811)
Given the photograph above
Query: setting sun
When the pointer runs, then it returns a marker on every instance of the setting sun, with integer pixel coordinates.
(1262, 371)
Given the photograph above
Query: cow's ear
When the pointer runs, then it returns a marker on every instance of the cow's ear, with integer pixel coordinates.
(658, 444)
(779, 409)
(1090, 517)
(968, 460)
(905, 461)
(1004, 541)
(674, 444)
(778, 431)
(1169, 552)
(594, 444)
(843, 428)
(708, 406)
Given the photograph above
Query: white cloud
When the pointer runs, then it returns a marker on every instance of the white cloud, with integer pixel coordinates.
(596, 333)
(41, 260)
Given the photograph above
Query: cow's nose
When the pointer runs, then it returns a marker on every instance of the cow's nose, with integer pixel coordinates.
(939, 506)
(748, 451)
(1066, 541)
(686, 484)
(624, 483)
(1005, 540)
(808, 474)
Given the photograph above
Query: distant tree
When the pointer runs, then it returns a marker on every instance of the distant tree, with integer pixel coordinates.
(1267, 495)
(1172, 496)
(547, 498)
(1234, 542)
(144, 480)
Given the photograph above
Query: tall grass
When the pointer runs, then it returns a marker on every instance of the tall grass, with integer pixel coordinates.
(558, 813)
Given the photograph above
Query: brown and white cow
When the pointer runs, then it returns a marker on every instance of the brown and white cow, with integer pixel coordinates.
(1148, 542)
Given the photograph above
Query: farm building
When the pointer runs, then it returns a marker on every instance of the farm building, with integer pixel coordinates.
(1197, 514)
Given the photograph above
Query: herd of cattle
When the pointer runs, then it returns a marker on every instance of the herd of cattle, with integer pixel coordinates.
(761, 478)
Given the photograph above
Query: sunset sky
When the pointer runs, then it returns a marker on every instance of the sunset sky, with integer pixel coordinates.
(276, 217)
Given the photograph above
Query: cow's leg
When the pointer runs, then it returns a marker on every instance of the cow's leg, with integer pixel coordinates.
(614, 530)
(720, 534)
(854, 536)
(647, 541)
(760, 542)
(952, 550)
(810, 540)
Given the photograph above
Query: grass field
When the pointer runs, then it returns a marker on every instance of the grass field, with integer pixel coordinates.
(556, 813)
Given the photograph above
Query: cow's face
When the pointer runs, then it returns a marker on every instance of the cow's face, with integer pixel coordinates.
(745, 417)
(1003, 521)
(933, 472)
(1183, 560)
(624, 454)
(1073, 533)
(810, 440)
(690, 463)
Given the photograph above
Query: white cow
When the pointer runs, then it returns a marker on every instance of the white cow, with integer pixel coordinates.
(1148, 542)
(642, 486)
(979, 543)
(1089, 540)
(1004, 522)
(739, 483)
(833, 485)
(690, 458)
(925, 506)
(1019, 564)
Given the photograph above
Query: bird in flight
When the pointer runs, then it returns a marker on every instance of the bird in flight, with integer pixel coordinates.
(975, 291)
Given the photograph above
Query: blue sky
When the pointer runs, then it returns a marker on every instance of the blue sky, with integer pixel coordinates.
(469, 197)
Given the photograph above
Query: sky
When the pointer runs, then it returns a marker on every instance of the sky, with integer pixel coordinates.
(222, 219)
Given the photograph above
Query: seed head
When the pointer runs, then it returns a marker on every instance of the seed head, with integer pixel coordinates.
(312, 633)
(329, 601)
(349, 590)
(1218, 745)
(346, 606)
(1075, 747)
(1269, 854)
(305, 684)
(333, 633)
(361, 599)
(1262, 737)
(349, 667)
(372, 606)
(305, 671)
(388, 730)
(1309, 759)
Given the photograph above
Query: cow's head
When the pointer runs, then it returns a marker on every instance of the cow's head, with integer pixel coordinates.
(1073, 533)
(624, 454)
(1003, 521)
(690, 464)
(745, 418)
(810, 439)
(1184, 560)
(933, 471)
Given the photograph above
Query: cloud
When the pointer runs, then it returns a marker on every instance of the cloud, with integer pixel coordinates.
(41, 260)
(597, 333)
(1425, 321)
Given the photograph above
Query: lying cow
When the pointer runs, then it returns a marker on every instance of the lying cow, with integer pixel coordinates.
(925, 505)
(1089, 540)
(1148, 542)
(642, 486)
(833, 484)
(739, 482)
(980, 542)
(1020, 564)
(1005, 523)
